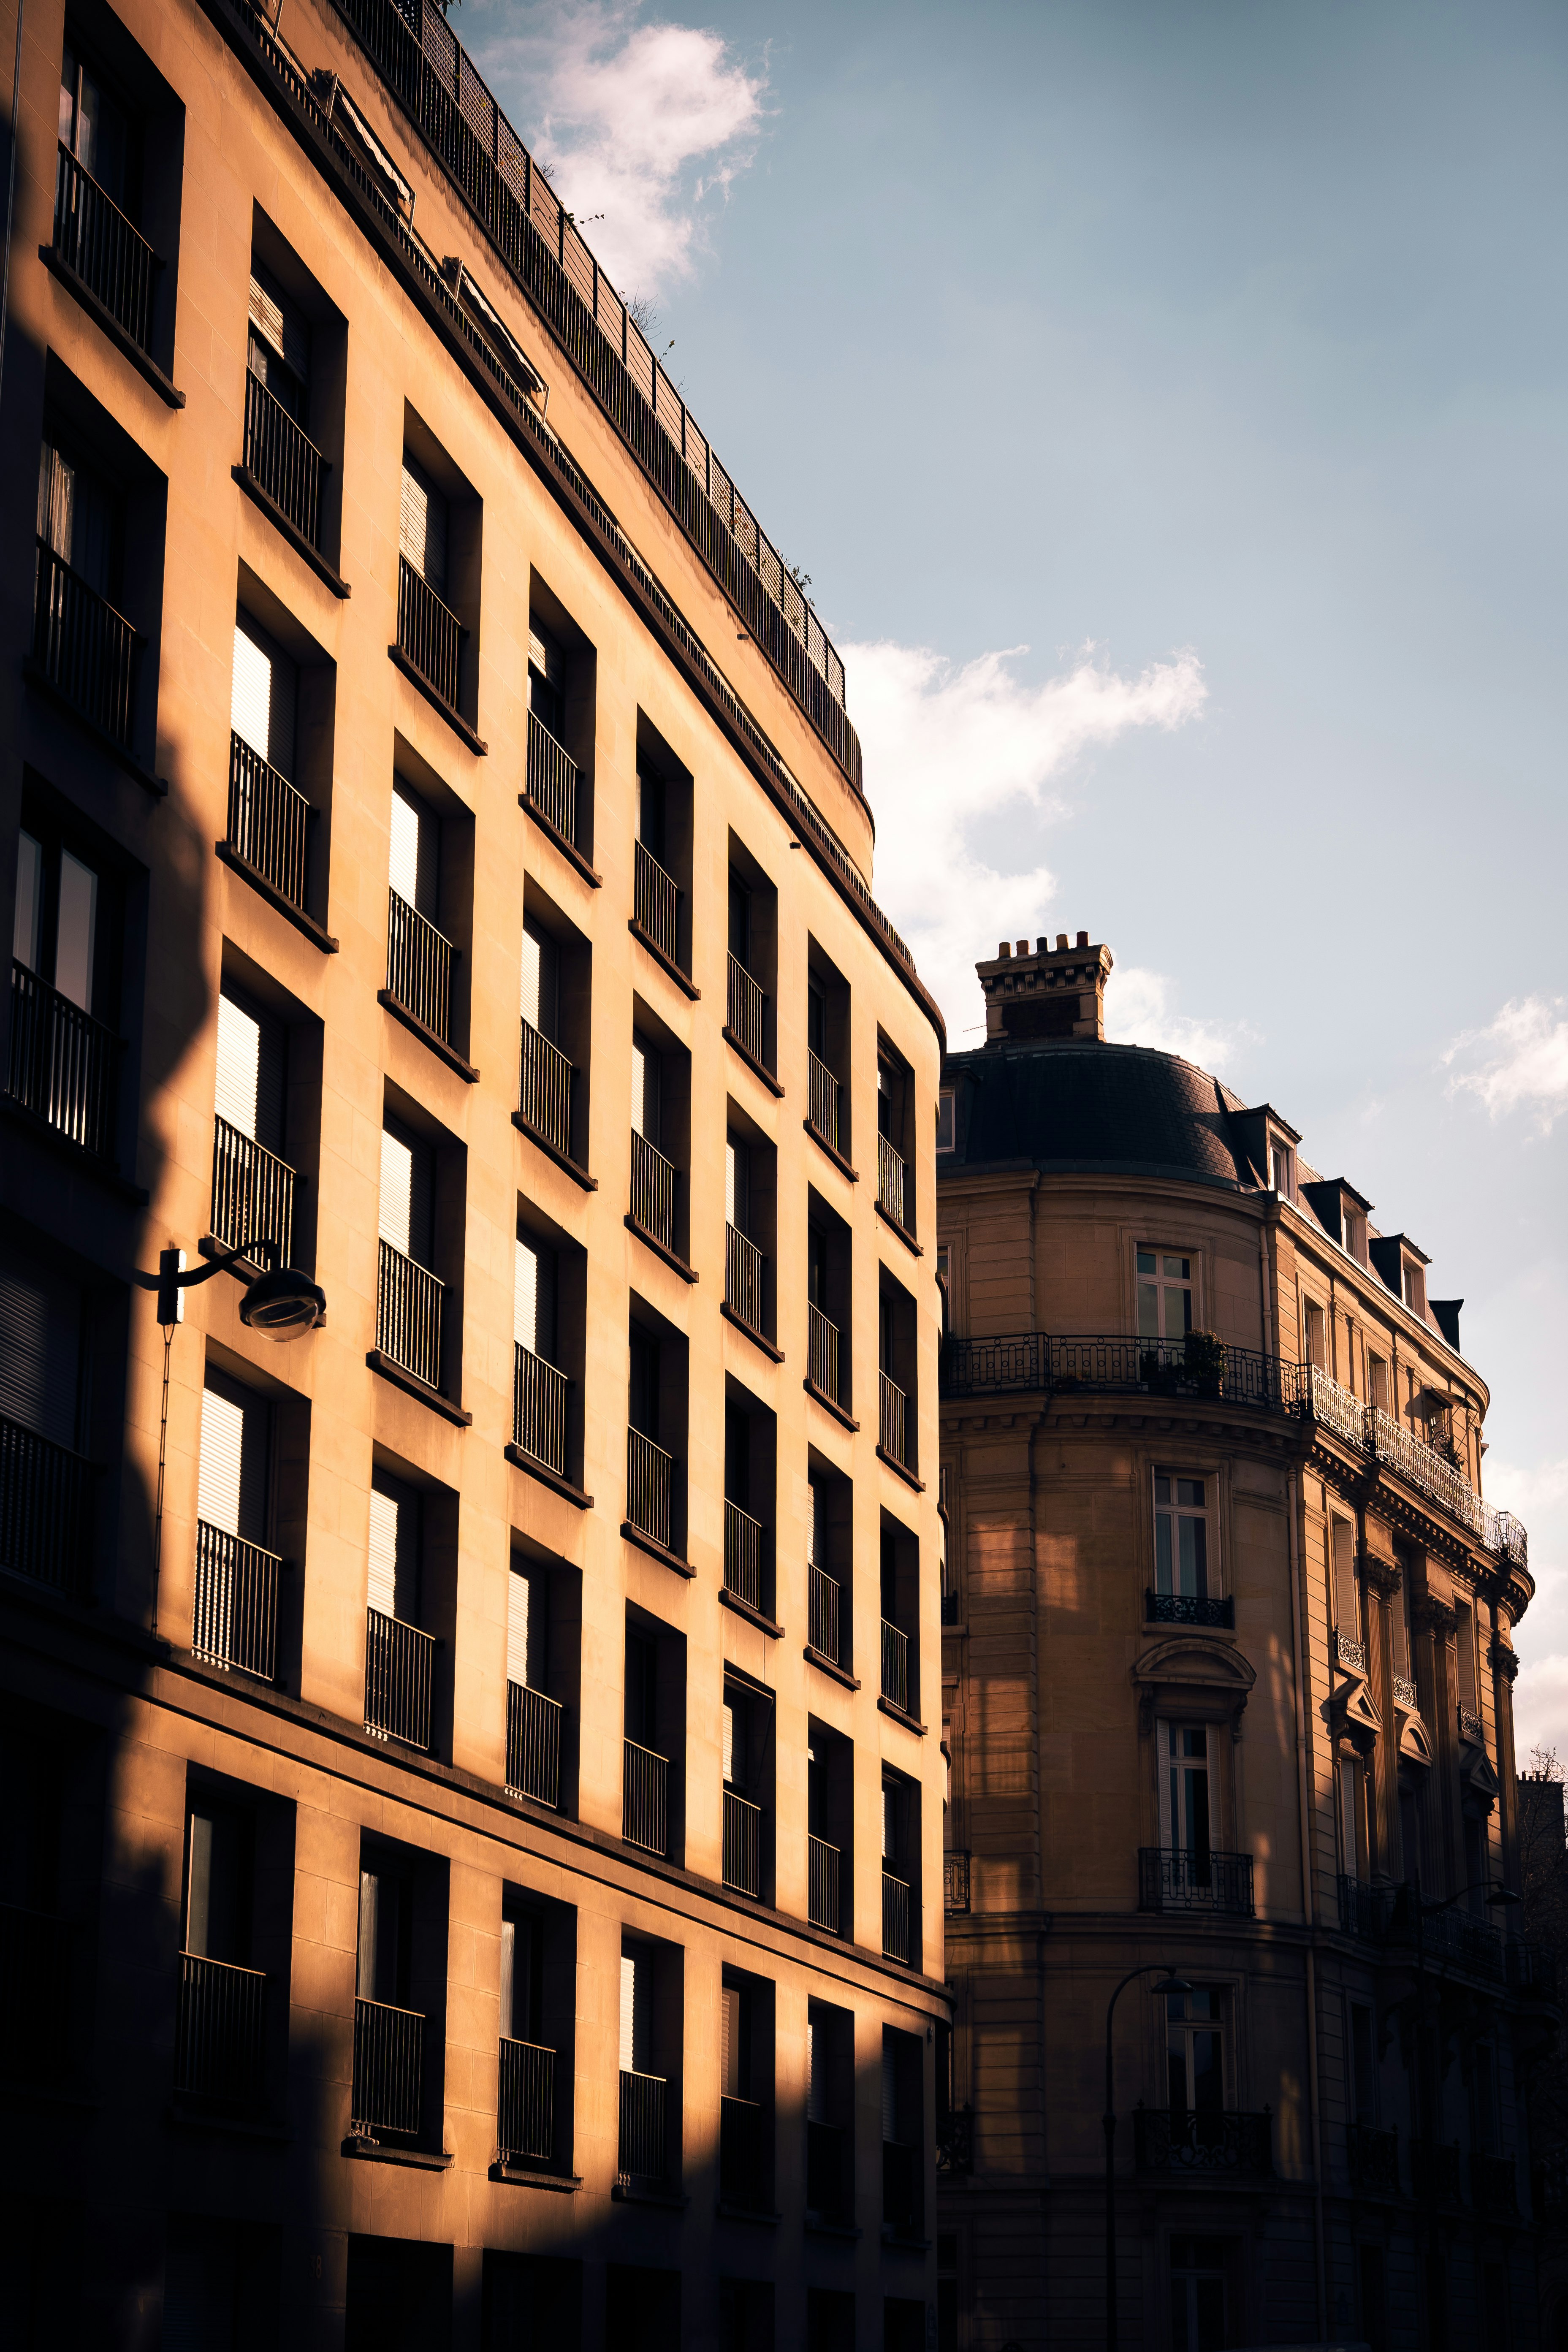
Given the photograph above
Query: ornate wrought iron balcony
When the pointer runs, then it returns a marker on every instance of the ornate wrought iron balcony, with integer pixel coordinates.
(1189, 1607)
(1172, 1880)
(1204, 2140)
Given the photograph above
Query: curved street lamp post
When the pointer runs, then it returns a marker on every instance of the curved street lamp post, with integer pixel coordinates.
(1169, 1983)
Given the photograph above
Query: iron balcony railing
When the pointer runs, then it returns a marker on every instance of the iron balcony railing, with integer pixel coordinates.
(822, 1883)
(283, 459)
(1021, 1360)
(1204, 2140)
(955, 1882)
(1373, 2158)
(744, 1279)
(65, 1066)
(742, 1843)
(744, 1545)
(532, 1744)
(1349, 1653)
(656, 902)
(430, 634)
(644, 1799)
(389, 2060)
(539, 1410)
(895, 1917)
(643, 2153)
(822, 1352)
(827, 2191)
(1171, 1879)
(1405, 1693)
(742, 2152)
(269, 822)
(253, 1193)
(36, 1994)
(1494, 2185)
(1435, 2171)
(408, 1316)
(653, 1191)
(83, 646)
(892, 1181)
(823, 1101)
(525, 2106)
(112, 259)
(955, 2140)
(900, 2188)
(824, 1594)
(45, 1509)
(544, 1095)
(1189, 1607)
(1436, 1935)
(895, 1667)
(419, 960)
(551, 779)
(399, 1679)
(893, 1419)
(1533, 1970)
(747, 1008)
(650, 1489)
(1472, 1731)
(234, 1621)
(220, 2038)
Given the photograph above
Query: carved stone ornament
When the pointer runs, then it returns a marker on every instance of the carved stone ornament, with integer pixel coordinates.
(1502, 1660)
(1382, 1576)
(1432, 1616)
(1415, 1746)
(1352, 1714)
(1201, 1677)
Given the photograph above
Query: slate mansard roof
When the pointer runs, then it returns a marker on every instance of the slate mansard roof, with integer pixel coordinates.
(1079, 1107)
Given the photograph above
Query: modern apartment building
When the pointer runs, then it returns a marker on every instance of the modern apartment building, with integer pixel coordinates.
(473, 1792)
(1228, 1649)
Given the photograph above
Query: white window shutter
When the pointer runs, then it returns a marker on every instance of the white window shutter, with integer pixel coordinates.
(529, 999)
(422, 526)
(729, 1744)
(40, 1333)
(369, 1923)
(520, 1593)
(630, 1995)
(251, 695)
(239, 1064)
(75, 931)
(639, 1085)
(232, 1474)
(26, 932)
(280, 321)
(413, 867)
(525, 1296)
(507, 1980)
(729, 1179)
(393, 1581)
(396, 1192)
(545, 655)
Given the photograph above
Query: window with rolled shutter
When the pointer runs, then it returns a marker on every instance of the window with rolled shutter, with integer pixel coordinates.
(252, 1057)
(644, 1089)
(408, 1192)
(233, 1472)
(816, 2086)
(728, 1743)
(422, 525)
(533, 1299)
(521, 1965)
(524, 1628)
(635, 2038)
(264, 695)
(540, 982)
(393, 1584)
(277, 321)
(1347, 1612)
(40, 1350)
(737, 1184)
(734, 2042)
(414, 868)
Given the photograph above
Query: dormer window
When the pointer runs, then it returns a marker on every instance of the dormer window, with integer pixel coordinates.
(1355, 1230)
(1415, 1286)
(1282, 1168)
(944, 1122)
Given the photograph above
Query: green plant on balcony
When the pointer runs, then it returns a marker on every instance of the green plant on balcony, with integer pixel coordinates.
(1205, 1362)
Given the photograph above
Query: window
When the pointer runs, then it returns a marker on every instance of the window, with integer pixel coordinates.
(253, 1186)
(521, 1976)
(1414, 1287)
(546, 679)
(409, 1296)
(902, 2130)
(1348, 1790)
(218, 1882)
(533, 1299)
(1354, 1227)
(1165, 1295)
(662, 854)
(79, 517)
(540, 1003)
(1364, 2064)
(385, 1932)
(264, 696)
(279, 348)
(1347, 1595)
(1194, 2049)
(895, 1139)
(1198, 2322)
(395, 1548)
(1184, 1812)
(1282, 1168)
(1180, 1535)
(222, 2281)
(422, 525)
(945, 1137)
(235, 1620)
(95, 128)
(1377, 1381)
(1316, 1336)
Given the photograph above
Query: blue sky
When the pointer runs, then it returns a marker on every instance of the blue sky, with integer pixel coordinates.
(1167, 404)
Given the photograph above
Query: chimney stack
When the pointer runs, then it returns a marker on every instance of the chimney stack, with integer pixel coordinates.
(1055, 992)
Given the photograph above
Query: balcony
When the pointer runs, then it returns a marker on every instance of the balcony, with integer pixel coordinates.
(1532, 1970)
(892, 1182)
(642, 2154)
(1471, 1730)
(1494, 2186)
(744, 1539)
(743, 1279)
(650, 1489)
(552, 781)
(525, 2104)
(1207, 2140)
(389, 2062)
(253, 1193)
(83, 648)
(269, 823)
(1373, 2158)
(532, 1745)
(824, 1594)
(539, 1410)
(824, 1104)
(895, 1917)
(544, 1093)
(235, 1620)
(653, 1193)
(822, 1884)
(901, 2200)
(220, 2040)
(65, 1066)
(893, 1421)
(429, 635)
(742, 2154)
(1434, 1936)
(419, 968)
(742, 1844)
(35, 1973)
(1349, 1656)
(644, 1799)
(1405, 1695)
(746, 1011)
(955, 1882)
(399, 1679)
(895, 1667)
(408, 1316)
(656, 904)
(1172, 1880)
(1435, 2172)
(283, 461)
(114, 260)
(822, 1354)
(1189, 1607)
(828, 2190)
(45, 1510)
(955, 2141)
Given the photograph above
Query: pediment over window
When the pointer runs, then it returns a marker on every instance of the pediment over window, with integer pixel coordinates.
(1413, 1744)
(1481, 1777)
(1351, 1710)
(1209, 1677)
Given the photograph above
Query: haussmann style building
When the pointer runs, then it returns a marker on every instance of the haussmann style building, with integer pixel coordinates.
(469, 1336)
(1228, 1644)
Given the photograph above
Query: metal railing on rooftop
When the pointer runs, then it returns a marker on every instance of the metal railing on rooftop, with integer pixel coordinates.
(653, 1191)
(282, 460)
(253, 1193)
(45, 1509)
(746, 1010)
(430, 634)
(110, 256)
(408, 1301)
(220, 2037)
(399, 1679)
(64, 1066)
(544, 1093)
(551, 779)
(538, 1394)
(532, 1744)
(235, 1618)
(525, 2106)
(389, 2059)
(650, 1488)
(419, 960)
(269, 822)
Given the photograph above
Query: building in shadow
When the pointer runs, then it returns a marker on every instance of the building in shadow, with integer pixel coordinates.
(1229, 1650)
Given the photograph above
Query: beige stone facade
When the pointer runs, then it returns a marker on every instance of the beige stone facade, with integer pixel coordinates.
(1227, 1654)
(477, 1806)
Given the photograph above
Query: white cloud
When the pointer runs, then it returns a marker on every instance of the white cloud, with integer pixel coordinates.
(645, 123)
(1518, 1060)
(1138, 1011)
(949, 747)
(1537, 1494)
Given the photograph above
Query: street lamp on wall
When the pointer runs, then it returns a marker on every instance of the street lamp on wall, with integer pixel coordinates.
(282, 1302)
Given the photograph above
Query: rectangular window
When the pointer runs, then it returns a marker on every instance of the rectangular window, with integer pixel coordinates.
(644, 1089)
(278, 352)
(414, 868)
(533, 1299)
(252, 1069)
(408, 1192)
(59, 922)
(1364, 2064)
(1377, 1382)
(1414, 1287)
(541, 1003)
(1349, 1789)
(264, 696)
(80, 518)
(1347, 1609)
(1165, 1295)
(95, 127)
(546, 679)
(40, 1346)
(234, 1476)
(1316, 1336)
(1194, 2031)
(385, 1935)
(1282, 1170)
(1198, 2320)
(1184, 1812)
(218, 1882)
(636, 2023)
(945, 1134)
(422, 525)
(1180, 1535)
(395, 1545)
(521, 1976)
